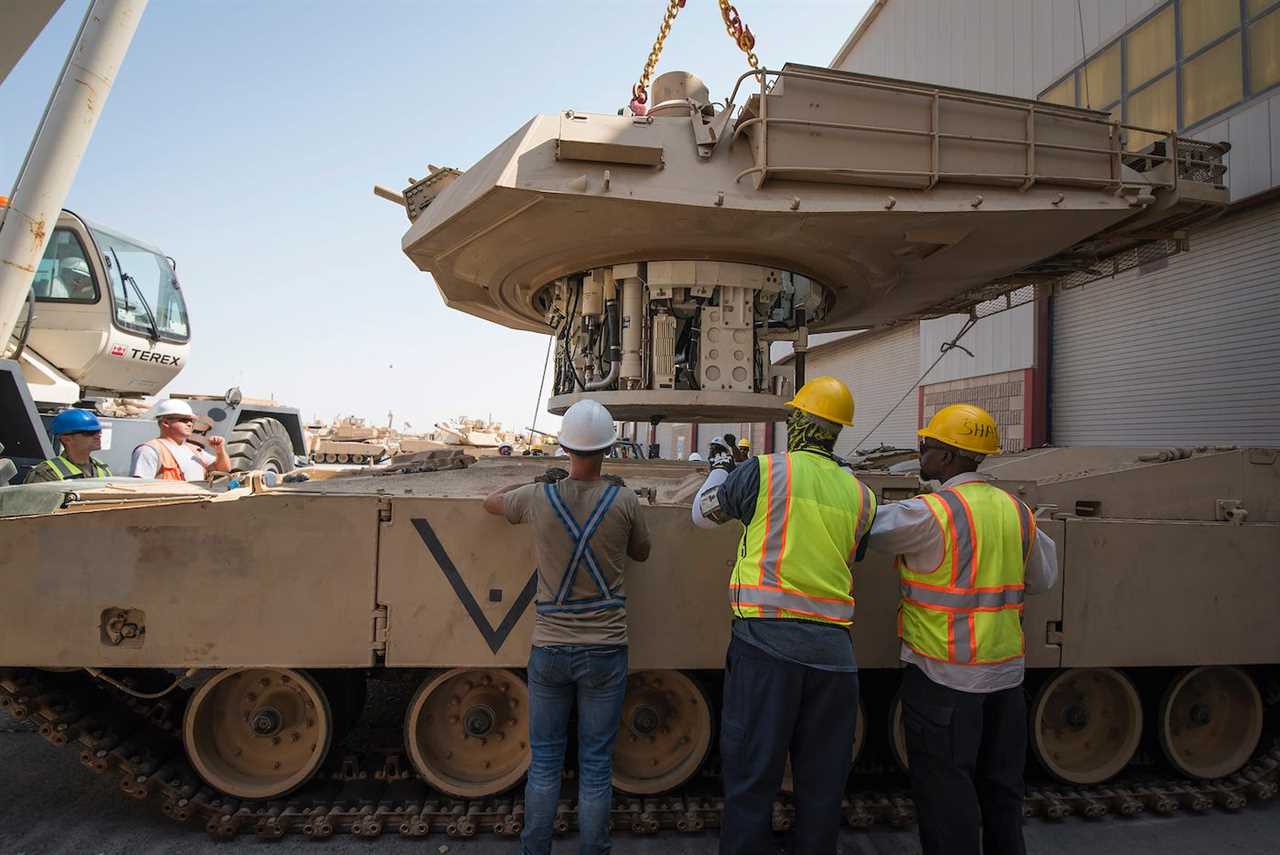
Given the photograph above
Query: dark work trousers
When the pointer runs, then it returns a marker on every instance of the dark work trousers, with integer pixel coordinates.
(772, 706)
(967, 753)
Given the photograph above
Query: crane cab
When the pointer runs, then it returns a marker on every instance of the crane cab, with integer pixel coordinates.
(108, 315)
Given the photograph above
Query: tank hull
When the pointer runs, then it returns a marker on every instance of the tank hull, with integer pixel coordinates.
(395, 579)
(442, 569)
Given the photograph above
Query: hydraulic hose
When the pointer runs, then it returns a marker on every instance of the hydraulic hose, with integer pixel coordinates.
(614, 349)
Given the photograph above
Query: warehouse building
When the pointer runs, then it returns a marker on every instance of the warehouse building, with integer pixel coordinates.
(1180, 352)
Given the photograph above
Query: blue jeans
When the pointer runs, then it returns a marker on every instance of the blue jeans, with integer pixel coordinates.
(597, 676)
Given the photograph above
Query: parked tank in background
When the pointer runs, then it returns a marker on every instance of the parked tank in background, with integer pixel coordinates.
(350, 440)
(479, 436)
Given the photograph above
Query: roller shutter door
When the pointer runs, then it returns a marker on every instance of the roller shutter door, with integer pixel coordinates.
(1187, 355)
(878, 367)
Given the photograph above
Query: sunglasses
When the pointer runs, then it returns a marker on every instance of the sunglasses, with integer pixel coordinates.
(183, 419)
(83, 433)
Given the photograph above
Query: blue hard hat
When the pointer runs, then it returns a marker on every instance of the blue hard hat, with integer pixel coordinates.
(74, 421)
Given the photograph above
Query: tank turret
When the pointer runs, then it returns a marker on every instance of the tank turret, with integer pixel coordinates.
(667, 252)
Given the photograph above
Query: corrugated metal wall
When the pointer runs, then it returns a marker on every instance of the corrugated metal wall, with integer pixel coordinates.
(1020, 47)
(878, 367)
(1003, 342)
(1013, 47)
(1188, 355)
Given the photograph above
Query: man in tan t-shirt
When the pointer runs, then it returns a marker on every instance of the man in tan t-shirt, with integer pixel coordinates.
(585, 528)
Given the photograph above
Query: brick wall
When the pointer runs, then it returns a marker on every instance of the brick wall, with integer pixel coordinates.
(1005, 395)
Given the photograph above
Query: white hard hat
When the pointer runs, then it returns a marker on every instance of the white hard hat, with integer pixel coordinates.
(695, 457)
(587, 428)
(75, 265)
(172, 407)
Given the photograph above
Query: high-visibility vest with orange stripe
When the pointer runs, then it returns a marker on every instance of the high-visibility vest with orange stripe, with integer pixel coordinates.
(968, 609)
(169, 468)
(795, 556)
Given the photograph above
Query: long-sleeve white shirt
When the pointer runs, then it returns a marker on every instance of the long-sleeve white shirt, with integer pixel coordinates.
(908, 528)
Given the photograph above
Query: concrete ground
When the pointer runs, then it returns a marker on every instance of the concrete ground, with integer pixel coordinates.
(50, 804)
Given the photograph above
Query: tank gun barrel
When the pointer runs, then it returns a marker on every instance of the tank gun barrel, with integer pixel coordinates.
(389, 195)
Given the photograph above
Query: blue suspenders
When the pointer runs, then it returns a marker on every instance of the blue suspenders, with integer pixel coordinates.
(581, 537)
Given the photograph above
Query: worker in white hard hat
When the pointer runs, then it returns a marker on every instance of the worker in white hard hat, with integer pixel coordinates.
(73, 282)
(171, 456)
(586, 525)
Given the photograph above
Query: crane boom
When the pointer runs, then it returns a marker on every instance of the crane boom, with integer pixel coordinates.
(59, 145)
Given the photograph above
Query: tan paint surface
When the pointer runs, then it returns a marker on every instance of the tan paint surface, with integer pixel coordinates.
(1170, 593)
(263, 580)
(289, 577)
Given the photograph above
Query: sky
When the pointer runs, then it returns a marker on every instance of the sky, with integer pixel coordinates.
(243, 138)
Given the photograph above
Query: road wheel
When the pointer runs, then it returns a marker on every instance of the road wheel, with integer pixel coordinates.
(1086, 724)
(1210, 721)
(261, 443)
(258, 733)
(467, 731)
(665, 732)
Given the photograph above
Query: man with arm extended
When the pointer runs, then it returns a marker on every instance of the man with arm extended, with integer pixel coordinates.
(586, 526)
(966, 555)
(170, 456)
(791, 682)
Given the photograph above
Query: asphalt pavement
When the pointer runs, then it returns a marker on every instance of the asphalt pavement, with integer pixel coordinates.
(51, 805)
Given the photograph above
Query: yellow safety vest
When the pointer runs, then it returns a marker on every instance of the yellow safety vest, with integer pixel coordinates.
(794, 558)
(64, 468)
(968, 609)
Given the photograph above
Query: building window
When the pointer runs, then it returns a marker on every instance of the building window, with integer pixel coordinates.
(1212, 81)
(1264, 52)
(1206, 20)
(1182, 65)
(1064, 93)
(1100, 86)
(1154, 106)
(1149, 49)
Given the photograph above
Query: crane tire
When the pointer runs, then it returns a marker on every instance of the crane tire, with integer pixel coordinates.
(261, 443)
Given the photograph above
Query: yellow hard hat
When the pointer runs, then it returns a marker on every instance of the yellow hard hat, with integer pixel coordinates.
(964, 426)
(744, 443)
(827, 398)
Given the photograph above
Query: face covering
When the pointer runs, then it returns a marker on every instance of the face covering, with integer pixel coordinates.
(804, 435)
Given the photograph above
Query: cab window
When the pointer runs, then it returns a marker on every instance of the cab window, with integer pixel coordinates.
(64, 274)
(145, 294)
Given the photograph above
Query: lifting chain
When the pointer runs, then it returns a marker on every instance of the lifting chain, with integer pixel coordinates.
(733, 25)
(640, 92)
(739, 32)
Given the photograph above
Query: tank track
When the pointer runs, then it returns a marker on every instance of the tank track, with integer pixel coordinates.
(377, 793)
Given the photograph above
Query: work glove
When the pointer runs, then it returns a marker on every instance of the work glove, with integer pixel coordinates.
(720, 455)
(552, 475)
